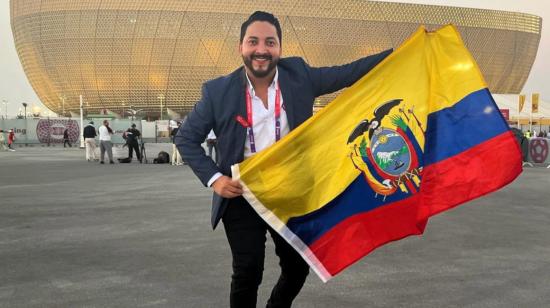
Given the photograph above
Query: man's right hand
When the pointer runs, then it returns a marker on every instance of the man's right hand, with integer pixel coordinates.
(227, 188)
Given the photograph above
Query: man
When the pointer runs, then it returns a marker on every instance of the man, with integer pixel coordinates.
(249, 110)
(105, 144)
(11, 139)
(132, 137)
(66, 139)
(176, 157)
(89, 140)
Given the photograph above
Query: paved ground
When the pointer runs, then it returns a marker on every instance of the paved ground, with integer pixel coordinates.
(79, 234)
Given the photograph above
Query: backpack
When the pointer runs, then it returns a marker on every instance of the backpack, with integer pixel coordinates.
(126, 160)
(162, 158)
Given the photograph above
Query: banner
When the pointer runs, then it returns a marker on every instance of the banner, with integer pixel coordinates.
(416, 136)
(521, 102)
(505, 114)
(535, 102)
(52, 130)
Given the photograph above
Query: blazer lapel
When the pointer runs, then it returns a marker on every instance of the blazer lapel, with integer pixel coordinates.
(241, 111)
(241, 96)
(286, 91)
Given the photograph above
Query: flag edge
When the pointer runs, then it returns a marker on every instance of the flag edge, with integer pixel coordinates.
(282, 229)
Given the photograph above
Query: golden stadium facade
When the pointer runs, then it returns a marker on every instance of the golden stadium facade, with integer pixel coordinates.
(155, 54)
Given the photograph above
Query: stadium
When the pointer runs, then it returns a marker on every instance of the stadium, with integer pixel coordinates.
(154, 55)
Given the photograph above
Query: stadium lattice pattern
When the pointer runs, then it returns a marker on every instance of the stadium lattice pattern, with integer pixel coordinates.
(144, 53)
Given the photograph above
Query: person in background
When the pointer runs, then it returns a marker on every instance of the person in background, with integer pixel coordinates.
(89, 140)
(3, 145)
(132, 136)
(105, 144)
(66, 139)
(176, 156)
(11, 139)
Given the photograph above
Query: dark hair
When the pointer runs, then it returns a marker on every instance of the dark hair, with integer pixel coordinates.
(106, 123)
(261, 16)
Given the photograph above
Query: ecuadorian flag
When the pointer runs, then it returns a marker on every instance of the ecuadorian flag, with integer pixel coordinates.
(416, 136)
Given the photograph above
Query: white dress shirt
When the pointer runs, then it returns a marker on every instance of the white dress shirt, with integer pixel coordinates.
(263, 121)
(104, 134)
(211, 135)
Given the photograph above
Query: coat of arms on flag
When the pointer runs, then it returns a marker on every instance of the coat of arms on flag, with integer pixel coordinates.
(389, 157)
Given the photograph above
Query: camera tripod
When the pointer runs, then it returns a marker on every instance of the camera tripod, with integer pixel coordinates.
(143, 153)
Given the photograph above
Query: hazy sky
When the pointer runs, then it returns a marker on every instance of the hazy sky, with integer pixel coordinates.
(15, 88)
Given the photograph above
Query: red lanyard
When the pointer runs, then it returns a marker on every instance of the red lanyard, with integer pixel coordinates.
(277, 117)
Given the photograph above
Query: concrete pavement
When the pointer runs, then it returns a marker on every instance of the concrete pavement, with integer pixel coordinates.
(79, 234)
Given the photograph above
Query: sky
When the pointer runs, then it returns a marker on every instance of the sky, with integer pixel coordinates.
(16, 89)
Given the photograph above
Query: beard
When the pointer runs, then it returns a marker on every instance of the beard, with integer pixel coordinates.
(260, 73)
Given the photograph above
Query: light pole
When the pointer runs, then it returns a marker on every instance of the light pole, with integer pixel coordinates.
(161, 97)
(49, 127)
(133, 114)
(123, 105)
(26, 124)
(25, 105)
(5, 102)
(63, 102)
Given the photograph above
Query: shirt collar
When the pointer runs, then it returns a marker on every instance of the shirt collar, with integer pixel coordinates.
(272, 85)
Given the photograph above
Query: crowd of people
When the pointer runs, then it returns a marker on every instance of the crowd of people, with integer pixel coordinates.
(542, 133)
(134, 142)
(104, 134)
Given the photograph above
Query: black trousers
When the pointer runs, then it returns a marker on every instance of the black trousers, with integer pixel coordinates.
(246, 233)
(135, 147)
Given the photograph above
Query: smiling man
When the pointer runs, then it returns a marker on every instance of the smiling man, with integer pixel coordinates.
(249, 110)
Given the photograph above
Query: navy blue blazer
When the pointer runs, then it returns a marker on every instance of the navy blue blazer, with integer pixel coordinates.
(223, 99)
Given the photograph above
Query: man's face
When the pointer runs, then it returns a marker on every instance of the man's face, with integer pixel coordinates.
(260, 48)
